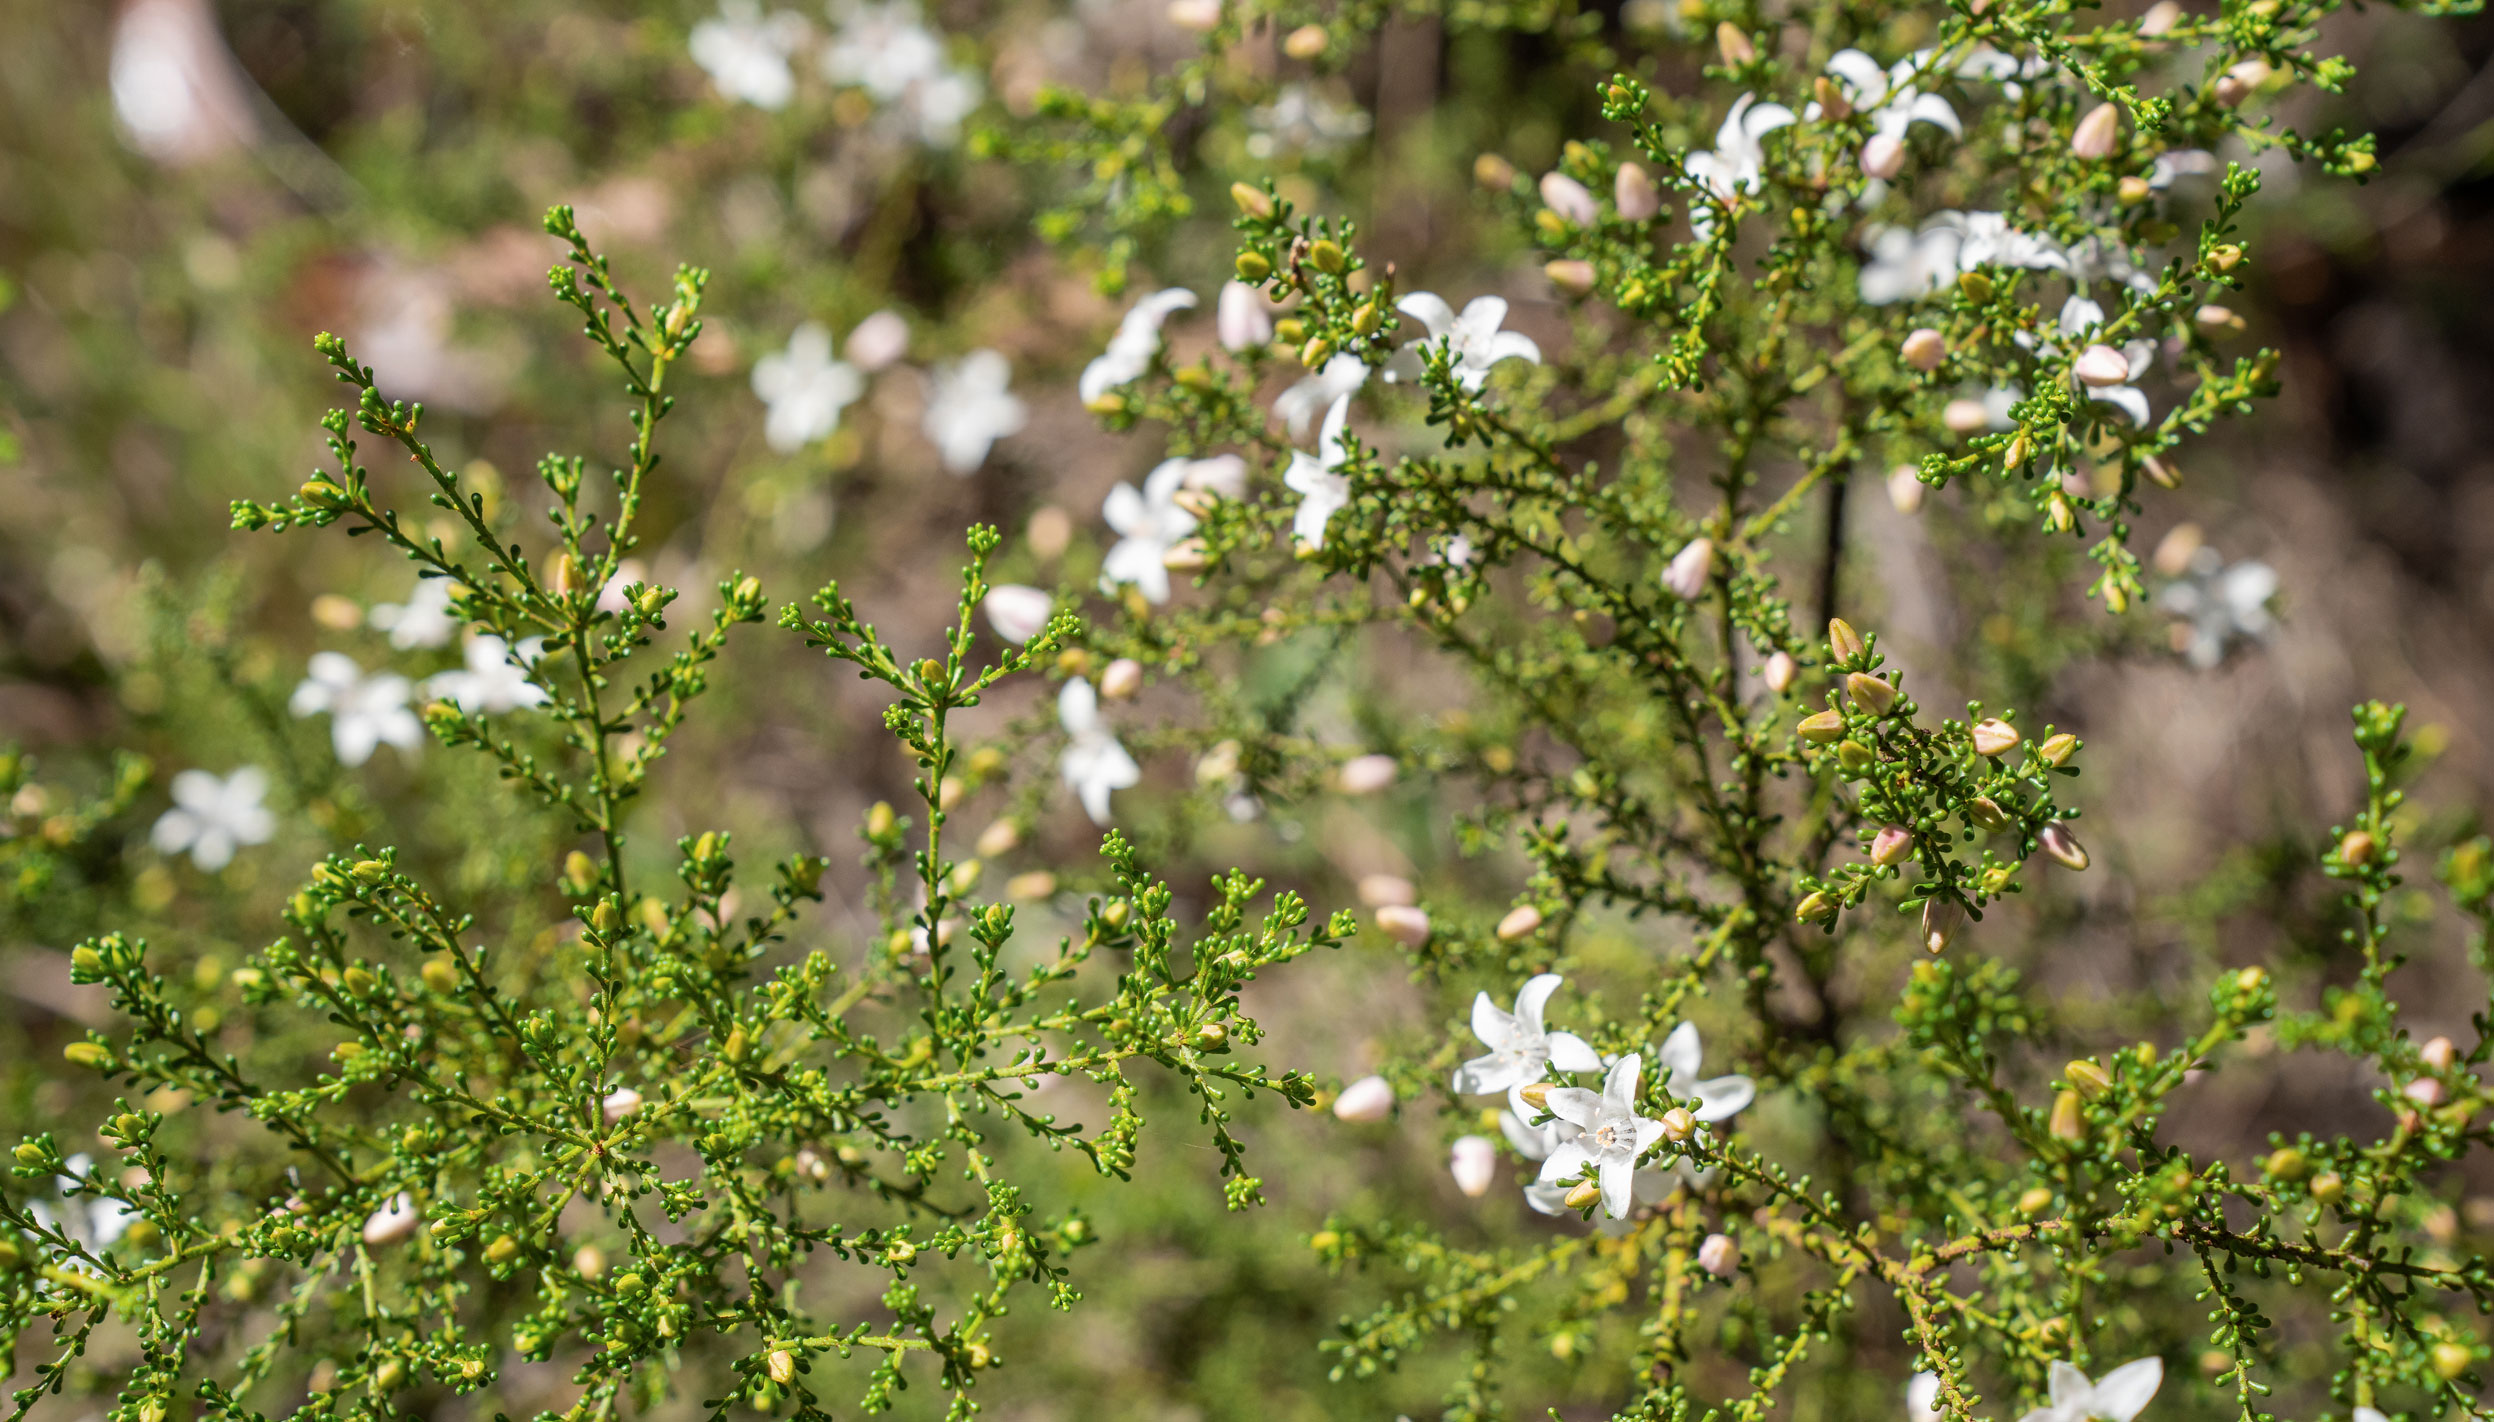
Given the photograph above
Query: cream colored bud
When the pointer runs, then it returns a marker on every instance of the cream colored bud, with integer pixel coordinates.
(1519, 923)
(1678, 1125)
(1365, 775)
(1822, 727)
(1833, 104)
(393, 1222)
(2062, 847)
(1123, 678)
(1473, 1161)
(1000, 838)
(2160, 18)
(1368, 1099)
(619, 1103)
(1187, 555)
(1719, 1256)
(1025, 888)
(1306, 42)
(2217, 320)
(2160, 473)
(782, 1365)
(2242, 81)
(1964, 416)
(1583, 1196)
(1494, 173)
(1734, 46)
(2424, 1091)
(2098, 134)
(1941, 919)
(1535, 1094)
(2069, 1122)
(2357, 848)
(1906, 489)
(1883, 157)
(1198, 16)
(2087, 1079)
(2058, 749)
(2101, 366)
(1924, 349)
(1571, 275)
(1634, 193)
(1871, 695)
(1379, 890)
(2441, 1053)
(1891, 844)
(1843, 641)
(1404, 924)
(1690, 569)
(1779, 673)
(1994, 736)
(1570, 199)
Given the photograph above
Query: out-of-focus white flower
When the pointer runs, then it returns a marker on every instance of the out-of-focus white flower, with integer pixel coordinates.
(1093, 763)
(1018, 612)
(404, 323)
(1888, 95)
(2370, 1414)
(1737, 162)
(1610, 1135)
(393, 1222)
(1474, 338)
(746, 52)
(1339, 377)
(179, 94)
(1241, 317)
(619, 1103)
(888, 50)
(1317, 479)
(1368, 1099)
(1906, 264)
(90, 1219)
(1521, 1048)
(495, 679)
(423, 620)
(1989, 241)
(804, 389)
(877, 341)
(1922, 1398)
(611, 596)
(1120, 679)
(1149, 523)
(1718, 1098)
(1473, 1161)
(364, 711)
(2118, 1398)
(1570, 199)
(970, 406)
(2102, 372)
(213, 816)
(1302, 120)
(1137, 341)
(1365, 775)
(2219, 604)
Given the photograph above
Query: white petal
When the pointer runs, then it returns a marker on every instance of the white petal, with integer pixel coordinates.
(1619, 1089)
(1679, 1058)
(1618, 1187)
(1488, 1075)
(1724, 1097)
(2125, 1390)
(1494, 1025)
(1534, 996)
(1565, 1163)
(1429, 310)
(1078, 707)
(1575, 1105)
(2066, 1385)
(1569, 1052)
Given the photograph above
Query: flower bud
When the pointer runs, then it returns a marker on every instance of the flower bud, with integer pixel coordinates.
(1305, 42)
(2098, 134)
(1123, 678)
(1994, 736)
(1987, 814)
(393, 1222)
(619, 1103)
(2132, 191)
(1379, 890)
(2068, 1124)
(1365, 775)
(1734, 46)
(2063, 847)
(1779, 672)
(1678, 1124)
(1404, 924)
(1822, 727)
(2424, 1091)
(2356, 850)
(1211, 1037)
(1519, 923)
(1473, 1161)
(782, 1366)
(2101, 366)
(1924, 349)
(1832, 101)
(93, 1055)
(2057, 749)
(1037, 884)
(1689, 570)
(2451, 1359)
(1964, 416)
(2241, 81)
(2329, 1187)
(1845, 643)
(1583, 1196)
(1368, 1099)
(1494, 173)
(2159, 19)
(2441, 1053)
(2225, 258)
(1906, 489)
(1571, 275)
(2285, 1163)
(1975, 287)
(1855, 759)
(1199, 16)
(1252, 201)
(1634, 194)
(1570, 199)
(2217, 320)
(1187, 555)
(1892, 843)
(2035, 1201)
(1871, 695)
(1535, 1095)
(1719, 1256)
(1325, 254)
(1941, 918)
(1883, 157)
(2087, 1079)
(1252, 267)
(1816, 907)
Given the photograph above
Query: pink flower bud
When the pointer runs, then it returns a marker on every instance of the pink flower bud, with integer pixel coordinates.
(1379, 890)
(1884, 156)
(1892, 843)
(1924, 349)
(2098, 134)
(1964, 416)
(1780, 671)
(2424, 1091)
(878, 341)
(1634, 193)
(2440, 1053)
(1519, 922)
(1906, 489)
(1196, 15)
(619, 1103)
(2159, 19)
(2238, 83)
(1366, 775)
(1240, 317)
(1572, 275)
(1569, 199)
(1367, 1099)
(2063, 847)
(1689, 570)
(2101, 366)
(1123, 678)
(1404, 924)
(1719, 1256)
(1941, 918)
(392, 1222)
(1994, 736)
(1474, 1164)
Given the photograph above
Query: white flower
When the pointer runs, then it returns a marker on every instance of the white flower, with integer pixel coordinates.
(1323, 490)
(2219, 604)
(804, 388)
(2103, 373)
(1718, 1098)
(1148, 524)
(2118, 1398)
(211, 817)
(1017, 612)
(1473, 338)
(1990, 241)
(90, 1219)
(393, 1221)
(1893, 104)
(1371, 1098)
(495, 680)
(179, 94)
(611, 596)
(1922, 1398)
(1240, 317)
(364, 711)
(1137, 341)
(1301, 120)
(1473, 1162)
(619, 1103)
(423, 620)
(970, 407)
(877, 341)
(746, 54)
(1093, 763)
(1341, 376)
(1610, 1136)
(887, 50)
(2096, 258)
(1690, 568)
(1521, 1049)
(1737, 163)
(1904, 265)
(2370, 1414)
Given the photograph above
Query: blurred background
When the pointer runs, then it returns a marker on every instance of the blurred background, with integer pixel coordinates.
(190, 189)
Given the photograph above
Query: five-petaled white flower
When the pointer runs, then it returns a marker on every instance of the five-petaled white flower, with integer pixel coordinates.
(1093, 764)
(1521, 1048)
(1148, 524)
(1718, 1097)
(212, 816)
(495, 680)
(1889, 97)
(805, 387)
(2219, 604)
(423, 620)
(1298, 405)
(1473, 338)
(970, 406)
(1535, 1143)
(1137, 341)
(888, 50)
(1610, 1136)
(746, 53)
(90, 1219)
(364, 711)
(1317, 479)
(1737, 163)
(2117, 1398)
